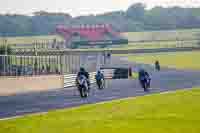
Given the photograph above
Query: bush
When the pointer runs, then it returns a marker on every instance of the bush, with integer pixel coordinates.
(3, 50)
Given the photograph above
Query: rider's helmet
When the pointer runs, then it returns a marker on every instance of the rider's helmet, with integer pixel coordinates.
(141, 72)
(98, 72)
(82, 69)
(157, 62)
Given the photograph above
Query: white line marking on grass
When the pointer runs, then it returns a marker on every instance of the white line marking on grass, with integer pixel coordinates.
(98, 103)
(167, 92)
(112, 97)
(9, 118)
(122, 99)
(21, 116)
(128, 98)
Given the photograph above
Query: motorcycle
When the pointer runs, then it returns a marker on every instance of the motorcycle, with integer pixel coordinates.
(145, 83)
(100, 83)
(83, 86)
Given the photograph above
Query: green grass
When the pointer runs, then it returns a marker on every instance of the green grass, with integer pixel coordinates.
(159, 113)
(180, 60)
(31, 39)
(159, 44)
(134, 75)
(150, 45)
(186, 34)
(159, 39)
(155, 38)
(162, 39)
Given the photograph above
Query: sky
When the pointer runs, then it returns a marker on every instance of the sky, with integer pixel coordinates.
(84, 7)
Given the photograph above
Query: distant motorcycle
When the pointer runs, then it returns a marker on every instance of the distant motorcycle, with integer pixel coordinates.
(83, 86)
(145, 83)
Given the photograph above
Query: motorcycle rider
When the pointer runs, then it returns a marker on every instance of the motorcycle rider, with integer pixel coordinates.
(86, 74)
(157, 65)
(99, 76)
(144, 75)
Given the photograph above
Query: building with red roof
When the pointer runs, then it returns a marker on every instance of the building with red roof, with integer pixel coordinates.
(90, 36)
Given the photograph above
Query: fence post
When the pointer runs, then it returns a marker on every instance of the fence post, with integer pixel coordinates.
(62, 64)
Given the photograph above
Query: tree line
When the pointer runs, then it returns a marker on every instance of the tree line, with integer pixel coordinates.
(135, 18)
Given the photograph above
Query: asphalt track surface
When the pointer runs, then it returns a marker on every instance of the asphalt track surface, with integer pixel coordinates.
(163, 81)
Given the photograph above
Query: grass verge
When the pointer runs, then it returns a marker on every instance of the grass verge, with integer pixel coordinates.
(180, 60)
(176, 112)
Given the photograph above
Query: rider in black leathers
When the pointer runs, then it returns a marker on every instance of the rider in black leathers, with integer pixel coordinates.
(144, 75)
(99, 75)
(86, 74)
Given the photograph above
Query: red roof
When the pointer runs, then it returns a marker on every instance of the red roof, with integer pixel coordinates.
(90, 32)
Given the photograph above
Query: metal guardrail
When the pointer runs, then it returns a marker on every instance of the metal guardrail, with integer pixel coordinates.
(70, 79)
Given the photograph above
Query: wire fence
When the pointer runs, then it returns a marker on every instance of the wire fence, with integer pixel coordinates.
(21, 65)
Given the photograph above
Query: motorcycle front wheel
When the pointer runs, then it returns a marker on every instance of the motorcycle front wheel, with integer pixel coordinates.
(84, 92)
(100, 85)
(144, 85)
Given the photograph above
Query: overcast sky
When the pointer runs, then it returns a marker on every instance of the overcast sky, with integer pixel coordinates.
(83, 7)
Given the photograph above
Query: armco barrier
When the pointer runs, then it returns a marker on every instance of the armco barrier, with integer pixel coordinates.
(70, 79)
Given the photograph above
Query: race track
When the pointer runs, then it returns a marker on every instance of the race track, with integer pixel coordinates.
(166, 80)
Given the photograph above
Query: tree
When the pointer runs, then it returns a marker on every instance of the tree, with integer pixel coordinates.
(136, 11)
(3, 51)
(48, 69)
(136, 18)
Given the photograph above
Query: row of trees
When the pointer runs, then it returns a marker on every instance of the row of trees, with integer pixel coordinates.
(5, 50)
(135, 18)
